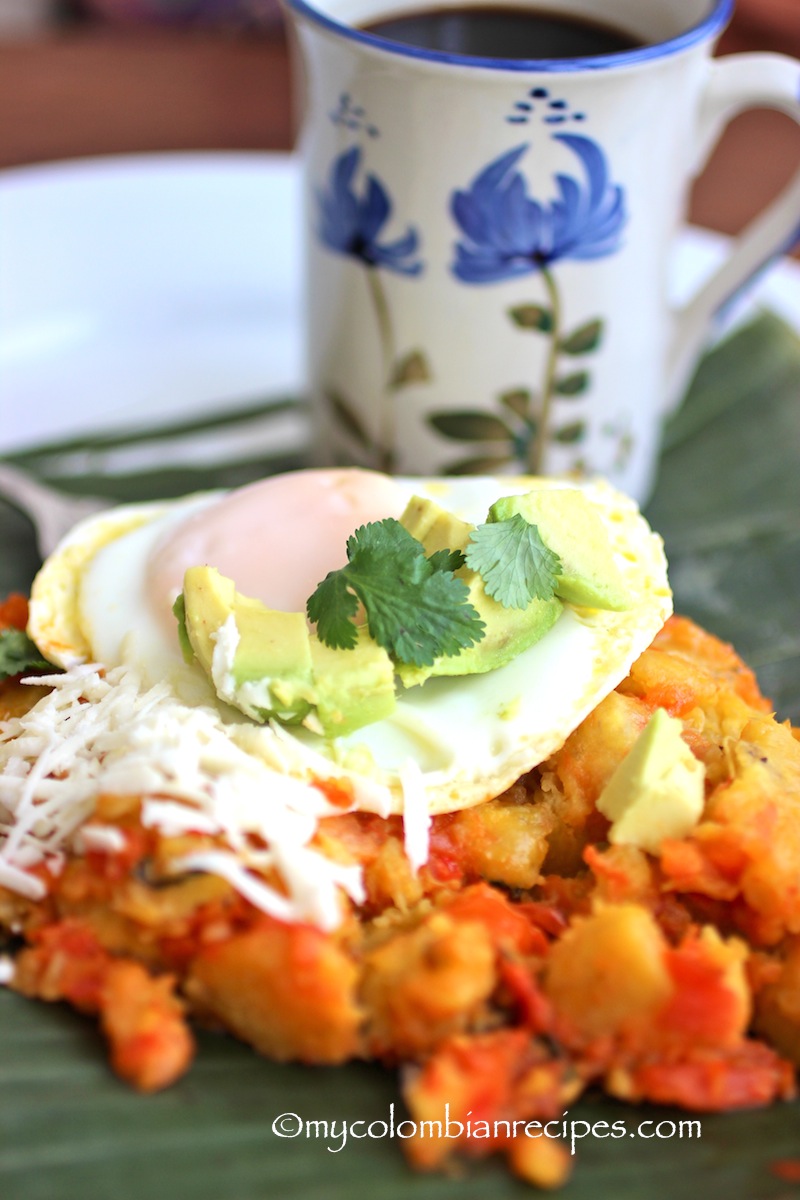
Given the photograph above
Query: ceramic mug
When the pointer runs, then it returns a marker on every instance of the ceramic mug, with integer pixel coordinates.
(489, 240)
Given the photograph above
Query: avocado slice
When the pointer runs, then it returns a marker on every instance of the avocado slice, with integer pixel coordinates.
(273, 648)
(508, 631)
(351, 687)
(277, 667)
(570, 525)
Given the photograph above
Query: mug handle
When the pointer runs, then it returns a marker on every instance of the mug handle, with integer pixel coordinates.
(737, 82)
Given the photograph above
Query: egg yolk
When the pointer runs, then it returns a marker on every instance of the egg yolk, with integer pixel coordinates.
(277, 539)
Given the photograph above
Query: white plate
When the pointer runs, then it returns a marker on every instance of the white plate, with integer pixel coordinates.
(142, 289)
(139, 290)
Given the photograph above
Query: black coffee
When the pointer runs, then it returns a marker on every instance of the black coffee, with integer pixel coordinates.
(502, 32)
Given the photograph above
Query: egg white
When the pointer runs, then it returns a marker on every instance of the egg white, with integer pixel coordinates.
(463, 740)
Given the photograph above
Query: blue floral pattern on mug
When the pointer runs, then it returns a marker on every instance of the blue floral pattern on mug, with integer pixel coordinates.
(507, 234)
(351, 223)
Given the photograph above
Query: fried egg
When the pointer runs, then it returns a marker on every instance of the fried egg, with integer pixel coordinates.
(106, 593)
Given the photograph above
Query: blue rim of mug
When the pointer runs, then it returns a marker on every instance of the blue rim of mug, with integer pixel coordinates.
(713, 23)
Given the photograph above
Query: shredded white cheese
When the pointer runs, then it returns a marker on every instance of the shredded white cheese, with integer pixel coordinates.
(318, 897)
(226, 643)
(104, 733)
(416, 815)
(105, 838)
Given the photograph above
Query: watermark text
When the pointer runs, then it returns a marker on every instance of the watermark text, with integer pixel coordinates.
(570, 1129)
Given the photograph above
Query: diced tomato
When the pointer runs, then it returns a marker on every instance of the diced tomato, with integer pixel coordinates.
(703, 1006)
(688, 868)
(338, 792)
(444, 863)
(115, 865)
(14, 612)
(535, 1010)
(509, 927)
(752, 1077)
(787, 1169)
(545, 916)
(68, 962)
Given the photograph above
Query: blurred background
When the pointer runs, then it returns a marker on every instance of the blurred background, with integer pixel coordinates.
(87, 77)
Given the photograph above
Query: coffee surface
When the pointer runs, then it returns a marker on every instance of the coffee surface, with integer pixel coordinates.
(502, 32)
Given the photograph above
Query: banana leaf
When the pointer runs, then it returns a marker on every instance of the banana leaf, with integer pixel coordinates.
(728, 505)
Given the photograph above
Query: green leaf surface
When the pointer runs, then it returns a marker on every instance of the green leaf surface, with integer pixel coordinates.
(727, 502)
(18, 654)
(572, 385)
(568, 435)
(268, 410)
(519, 401)
(467, 425)
(347, 417)
(333, 607)
(533, 316)
(583, 340)
(415, 606)
(480, 465)
(411, 368)
(447, 560)
(514, 562)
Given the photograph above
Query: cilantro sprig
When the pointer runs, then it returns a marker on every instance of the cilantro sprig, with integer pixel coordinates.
(515, 564)
(18, 654)
(415, 606)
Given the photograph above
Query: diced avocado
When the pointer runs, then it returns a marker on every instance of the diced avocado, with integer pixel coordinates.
(571, 527)
(179, 613)
(351, 687)
(271, 652)
(658, 789)
(268, 664)
(434, 526)
(508, 631)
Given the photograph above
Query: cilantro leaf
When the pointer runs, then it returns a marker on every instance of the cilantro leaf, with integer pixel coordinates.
(514, 562)
(447, 560)
(333, 607)
(18, 654)
(415, 607)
